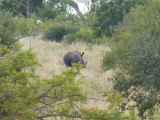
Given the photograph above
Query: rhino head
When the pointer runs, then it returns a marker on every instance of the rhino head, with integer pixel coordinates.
(74, 57)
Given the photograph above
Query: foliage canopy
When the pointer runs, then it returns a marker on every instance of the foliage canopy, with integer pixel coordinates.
(135, 53)
(109, 14)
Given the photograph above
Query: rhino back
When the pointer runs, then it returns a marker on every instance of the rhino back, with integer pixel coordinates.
(72, 57)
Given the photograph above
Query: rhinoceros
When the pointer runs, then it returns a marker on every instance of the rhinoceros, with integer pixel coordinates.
(74, 57)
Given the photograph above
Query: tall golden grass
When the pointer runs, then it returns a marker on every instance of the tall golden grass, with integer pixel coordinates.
(50, 55)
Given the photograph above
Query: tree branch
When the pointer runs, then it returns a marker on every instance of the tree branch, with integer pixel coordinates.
(20, 3)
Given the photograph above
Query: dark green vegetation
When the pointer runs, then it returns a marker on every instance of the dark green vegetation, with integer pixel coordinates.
(135, 51)
(132, 30)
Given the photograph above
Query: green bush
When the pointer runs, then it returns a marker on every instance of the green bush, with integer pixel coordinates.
(100, 40)
(43, 27)
(69, 38)
(24, 26)
(8, 28)
(108, 61)
(85, 34)
(23, 94)
(59, 30)
(27, 27)
(135, 53)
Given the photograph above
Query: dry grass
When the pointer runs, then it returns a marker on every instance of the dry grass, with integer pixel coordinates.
(50, 55)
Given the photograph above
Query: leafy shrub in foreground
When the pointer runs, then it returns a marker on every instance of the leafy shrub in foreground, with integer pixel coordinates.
(8, 28)
(25, 96)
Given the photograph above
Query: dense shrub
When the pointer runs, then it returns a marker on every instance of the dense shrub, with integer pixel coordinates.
(135, 51)
(8, 28)
(70, 38)
(24, 95)
(85, 34)
(24, 26)
(30, 26)
(59, 30)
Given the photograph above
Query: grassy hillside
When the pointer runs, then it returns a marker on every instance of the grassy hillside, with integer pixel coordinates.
(50, 55)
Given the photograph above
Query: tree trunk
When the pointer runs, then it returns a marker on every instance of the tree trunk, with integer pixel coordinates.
(75, 6)
(28, 6)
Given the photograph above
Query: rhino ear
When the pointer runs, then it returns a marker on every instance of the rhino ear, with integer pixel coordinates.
(82, 53)
(86, 62)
